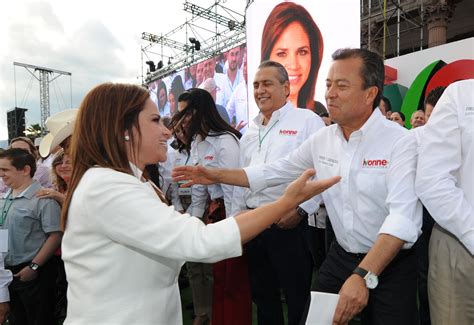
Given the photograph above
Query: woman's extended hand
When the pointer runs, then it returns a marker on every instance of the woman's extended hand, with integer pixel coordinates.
(303, 188)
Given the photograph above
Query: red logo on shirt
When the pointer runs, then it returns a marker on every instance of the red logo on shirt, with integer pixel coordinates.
(209, 158)
(288, 132)
(371, 163)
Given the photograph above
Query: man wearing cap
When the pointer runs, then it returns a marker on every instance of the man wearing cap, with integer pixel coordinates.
(210, 86)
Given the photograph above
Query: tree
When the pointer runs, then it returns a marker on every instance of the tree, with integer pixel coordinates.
(34, 131)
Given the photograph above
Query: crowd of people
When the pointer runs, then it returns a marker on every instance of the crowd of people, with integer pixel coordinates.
(124, 197)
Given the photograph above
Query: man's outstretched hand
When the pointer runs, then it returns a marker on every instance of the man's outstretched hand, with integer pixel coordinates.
(193, 175)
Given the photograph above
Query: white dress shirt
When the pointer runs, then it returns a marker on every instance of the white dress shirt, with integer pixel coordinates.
(223, 93)
(123, 250)
(237, 106)
(231, 86)
(445, 178)
(376, 193)
(220, 151)
(5, 278)
(285, 131)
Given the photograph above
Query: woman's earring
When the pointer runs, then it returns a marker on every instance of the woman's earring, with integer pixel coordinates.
(127, 138)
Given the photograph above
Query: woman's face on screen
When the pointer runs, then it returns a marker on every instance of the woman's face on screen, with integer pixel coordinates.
(293, 51)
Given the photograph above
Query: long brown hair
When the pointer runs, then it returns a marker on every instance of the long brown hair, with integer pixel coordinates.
(105, 114)
(279, 19)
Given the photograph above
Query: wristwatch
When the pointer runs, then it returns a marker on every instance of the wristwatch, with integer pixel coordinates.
(371, 280)
(34, 266)
(302, 213)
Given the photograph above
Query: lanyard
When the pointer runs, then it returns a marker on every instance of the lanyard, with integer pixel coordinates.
(260, 139)
(6, 208)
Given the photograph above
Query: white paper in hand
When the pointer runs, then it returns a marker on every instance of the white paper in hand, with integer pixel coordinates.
(322, 308)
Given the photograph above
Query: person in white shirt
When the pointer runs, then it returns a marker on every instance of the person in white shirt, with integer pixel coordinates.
(123, 246)
(374, 211)
(279, 258)
(211, 142)
(233, 73)
(223, 92)
(444, 183)
(237, 107)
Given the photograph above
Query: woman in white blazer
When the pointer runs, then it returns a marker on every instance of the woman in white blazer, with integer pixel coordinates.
(123, 246)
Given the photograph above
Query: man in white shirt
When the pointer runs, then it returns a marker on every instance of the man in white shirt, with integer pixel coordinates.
(234, 74)
(279, 258)
(237, 107)
(374, 211)
(223, 93)
(444, 183)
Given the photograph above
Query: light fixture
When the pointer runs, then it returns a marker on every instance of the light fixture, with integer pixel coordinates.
(196, 43)
(151, 65)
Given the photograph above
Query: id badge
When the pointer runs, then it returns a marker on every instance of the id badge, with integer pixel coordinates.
(3, 240)
(184, 191)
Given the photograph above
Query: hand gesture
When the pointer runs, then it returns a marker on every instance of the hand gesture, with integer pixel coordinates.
(192, 175)
(240, 125)
(303, 189)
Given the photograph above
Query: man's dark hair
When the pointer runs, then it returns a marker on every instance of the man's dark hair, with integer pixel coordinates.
(372, 71)
(401, 115)
(434, 96)
(387, 103)
(282, 73)
(20, 158)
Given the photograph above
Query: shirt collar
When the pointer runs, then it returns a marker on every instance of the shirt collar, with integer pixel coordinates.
(28, 192)
(276, 115)
(375, 118)
(137, 172)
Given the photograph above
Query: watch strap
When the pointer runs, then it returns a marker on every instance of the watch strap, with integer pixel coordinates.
(360, 271)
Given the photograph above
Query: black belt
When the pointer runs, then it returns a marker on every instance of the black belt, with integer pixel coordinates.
(360, 256)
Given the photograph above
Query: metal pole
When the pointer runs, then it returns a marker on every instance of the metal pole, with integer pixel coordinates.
(422, 26)
(384, 27)
(370, 26)
(398, 29)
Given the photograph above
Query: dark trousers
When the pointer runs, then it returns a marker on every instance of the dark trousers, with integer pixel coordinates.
(394, 299)
(33, 302)
(280, 260)
(421, 248)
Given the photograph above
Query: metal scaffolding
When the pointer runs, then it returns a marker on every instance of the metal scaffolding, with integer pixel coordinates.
(44, 81)
(216, 29)
(384, 21)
